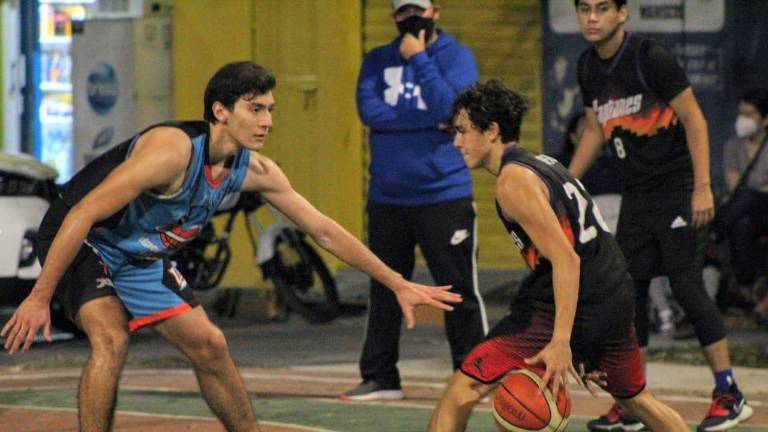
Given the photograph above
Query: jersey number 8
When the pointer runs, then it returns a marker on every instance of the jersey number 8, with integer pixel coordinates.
(621, 152)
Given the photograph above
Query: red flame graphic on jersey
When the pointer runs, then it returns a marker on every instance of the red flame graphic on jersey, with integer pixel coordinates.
(531, 254)
(643, 124)
(176, 236)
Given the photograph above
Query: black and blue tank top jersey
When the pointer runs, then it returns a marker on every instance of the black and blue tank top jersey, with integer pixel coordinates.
(152, 226)
(603, 269)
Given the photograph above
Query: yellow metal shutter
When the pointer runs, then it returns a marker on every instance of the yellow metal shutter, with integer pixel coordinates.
(505, 36)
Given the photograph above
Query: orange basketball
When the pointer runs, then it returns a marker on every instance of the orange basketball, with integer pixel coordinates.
(519, 407)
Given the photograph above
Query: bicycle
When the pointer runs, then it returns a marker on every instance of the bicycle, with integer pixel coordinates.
(299, 275)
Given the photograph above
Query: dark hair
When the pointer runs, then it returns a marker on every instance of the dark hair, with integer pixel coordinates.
(758, 98)
(493, 102)
(233, 81)
(619, 3)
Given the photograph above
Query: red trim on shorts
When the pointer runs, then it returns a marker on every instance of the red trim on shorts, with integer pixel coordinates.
(213, 181)
(138, 323)
(492, 359)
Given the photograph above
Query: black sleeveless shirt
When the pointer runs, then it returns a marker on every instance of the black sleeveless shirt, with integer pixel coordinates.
(603, 269)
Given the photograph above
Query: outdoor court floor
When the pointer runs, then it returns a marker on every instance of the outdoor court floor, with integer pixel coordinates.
(294, 372)
(294, 399)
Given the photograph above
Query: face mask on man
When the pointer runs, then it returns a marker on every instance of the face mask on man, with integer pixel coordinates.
(745, 126)
(414, 24)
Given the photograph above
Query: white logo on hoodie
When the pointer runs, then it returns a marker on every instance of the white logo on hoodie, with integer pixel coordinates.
(393, 76)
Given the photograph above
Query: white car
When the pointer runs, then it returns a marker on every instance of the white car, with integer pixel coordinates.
(26, 189)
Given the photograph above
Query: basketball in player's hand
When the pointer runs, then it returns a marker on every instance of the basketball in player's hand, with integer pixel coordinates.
(519, 406)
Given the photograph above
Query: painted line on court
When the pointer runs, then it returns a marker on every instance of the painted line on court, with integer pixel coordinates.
(398, 404)
(167, 416)
(601, 395)
(305, 428)
(40, 375)
(75, 373)
(293, 376)
(43, 387)
(416, 405)
(38, 408)
(441, 386)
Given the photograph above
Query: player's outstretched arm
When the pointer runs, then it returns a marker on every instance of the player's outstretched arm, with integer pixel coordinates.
(267, 178)
(524, 197)
(159, 159)
(588, 146)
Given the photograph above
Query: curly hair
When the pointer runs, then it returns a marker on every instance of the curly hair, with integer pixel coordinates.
(233, 81)
(492, 102)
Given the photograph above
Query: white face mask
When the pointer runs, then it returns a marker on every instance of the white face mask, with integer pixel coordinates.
(745, 126)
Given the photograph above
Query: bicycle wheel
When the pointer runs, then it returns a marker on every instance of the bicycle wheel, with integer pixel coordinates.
(302, 280)
(203, 271)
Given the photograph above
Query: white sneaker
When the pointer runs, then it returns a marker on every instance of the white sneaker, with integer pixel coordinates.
(373, 390)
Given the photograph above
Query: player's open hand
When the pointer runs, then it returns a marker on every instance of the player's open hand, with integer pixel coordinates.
(558, 360)
(31, 316)
(702, 205)
(410, 294)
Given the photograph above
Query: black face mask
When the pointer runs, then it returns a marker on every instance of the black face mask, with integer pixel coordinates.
(414, 24)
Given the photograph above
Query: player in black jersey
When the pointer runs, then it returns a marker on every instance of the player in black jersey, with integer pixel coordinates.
(578, 309)
(638, 98)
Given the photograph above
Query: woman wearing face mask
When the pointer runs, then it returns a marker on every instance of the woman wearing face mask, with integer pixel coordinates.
(745, 217)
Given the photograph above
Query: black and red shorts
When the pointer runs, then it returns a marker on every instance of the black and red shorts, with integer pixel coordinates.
(603, 338)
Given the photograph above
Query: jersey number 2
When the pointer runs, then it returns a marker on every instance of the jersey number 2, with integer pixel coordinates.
(586, 233)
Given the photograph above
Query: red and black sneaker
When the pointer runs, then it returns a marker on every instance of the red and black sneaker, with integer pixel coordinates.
(728, 409)
(615, 420)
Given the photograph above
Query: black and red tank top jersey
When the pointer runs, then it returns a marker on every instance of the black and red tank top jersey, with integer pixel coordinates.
(603, 268)
(630, 94)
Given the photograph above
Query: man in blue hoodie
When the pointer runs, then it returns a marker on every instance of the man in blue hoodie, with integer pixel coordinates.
(420, 189)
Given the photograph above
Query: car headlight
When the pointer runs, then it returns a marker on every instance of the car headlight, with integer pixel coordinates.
(27, 252)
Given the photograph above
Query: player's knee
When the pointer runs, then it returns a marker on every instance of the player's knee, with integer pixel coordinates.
(109, 342)
(639, 406)
(688, 289)
(642, 402)
(211, 347)
(463, 389)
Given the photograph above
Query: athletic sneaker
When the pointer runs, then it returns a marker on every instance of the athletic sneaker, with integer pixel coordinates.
(373, 390)
(615, 420)
(728, 409)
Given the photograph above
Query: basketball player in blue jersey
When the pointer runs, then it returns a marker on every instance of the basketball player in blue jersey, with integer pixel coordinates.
(104, 245)
(638, 98)
(578, 307)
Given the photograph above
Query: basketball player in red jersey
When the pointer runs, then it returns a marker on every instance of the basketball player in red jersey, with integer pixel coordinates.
(579, 307)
